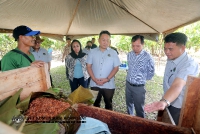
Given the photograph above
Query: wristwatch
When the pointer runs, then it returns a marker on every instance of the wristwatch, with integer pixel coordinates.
(108, 79)
(168, 103)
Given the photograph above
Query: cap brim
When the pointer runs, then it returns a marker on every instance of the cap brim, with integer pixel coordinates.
(33, 33)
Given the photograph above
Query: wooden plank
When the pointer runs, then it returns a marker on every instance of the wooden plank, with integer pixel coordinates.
(31, 79)
(190, 112)
(119, 123)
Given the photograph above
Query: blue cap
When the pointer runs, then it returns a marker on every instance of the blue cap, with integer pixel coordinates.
(23, 30)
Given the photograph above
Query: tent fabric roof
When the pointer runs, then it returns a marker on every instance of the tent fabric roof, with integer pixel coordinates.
(80, 18)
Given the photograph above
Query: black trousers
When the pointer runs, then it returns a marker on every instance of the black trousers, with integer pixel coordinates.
(107, 95)
(175, 113)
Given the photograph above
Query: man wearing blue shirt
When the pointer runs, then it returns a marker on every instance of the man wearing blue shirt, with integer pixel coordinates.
(102, 65)
(140, 69)
(179, 66)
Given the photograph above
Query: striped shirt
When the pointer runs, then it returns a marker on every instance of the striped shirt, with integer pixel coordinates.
(140, 67)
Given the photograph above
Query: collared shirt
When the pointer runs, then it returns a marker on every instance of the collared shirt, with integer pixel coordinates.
(181, 67)
(140, 67)
(42, 54)
(102, 65)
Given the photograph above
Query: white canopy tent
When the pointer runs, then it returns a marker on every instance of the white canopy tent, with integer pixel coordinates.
(80, 18)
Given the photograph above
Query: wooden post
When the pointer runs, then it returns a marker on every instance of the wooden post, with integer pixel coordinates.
(190, 112)
(31, 79)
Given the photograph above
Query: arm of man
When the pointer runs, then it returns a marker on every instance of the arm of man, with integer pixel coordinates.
(90, 72)
(190, 68)
(170, 95)
(150, 68)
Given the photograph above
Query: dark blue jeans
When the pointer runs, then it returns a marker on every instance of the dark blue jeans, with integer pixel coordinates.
(77, 82)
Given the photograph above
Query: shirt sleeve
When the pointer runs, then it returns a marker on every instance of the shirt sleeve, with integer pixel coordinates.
(188, 69)
(89, 58)
(150, 68)
(67, 60)
(116, 59)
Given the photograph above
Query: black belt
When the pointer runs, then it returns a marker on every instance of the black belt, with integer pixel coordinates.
(135, 85)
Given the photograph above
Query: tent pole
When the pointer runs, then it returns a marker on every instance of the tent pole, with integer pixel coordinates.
(73, 16)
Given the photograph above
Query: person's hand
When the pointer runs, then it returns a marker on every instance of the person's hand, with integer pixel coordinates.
(37, 64)
(103, 80)
(155, 106)
(98, 81)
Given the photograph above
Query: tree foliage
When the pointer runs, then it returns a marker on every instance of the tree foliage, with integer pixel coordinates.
(7, 43)
(192, 31)
(121, 42)
(56, 45)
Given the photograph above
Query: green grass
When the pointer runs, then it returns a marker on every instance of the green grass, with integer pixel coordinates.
(59, 78)
(153, 89)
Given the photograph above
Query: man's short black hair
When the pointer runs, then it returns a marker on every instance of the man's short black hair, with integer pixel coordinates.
(134, 38)
(178, 38)
(104, 32)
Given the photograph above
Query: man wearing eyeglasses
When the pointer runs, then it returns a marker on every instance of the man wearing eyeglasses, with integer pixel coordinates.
(179, 66)
(140, 69)
(25, 38)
